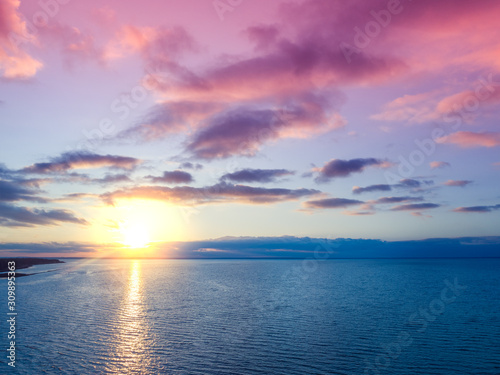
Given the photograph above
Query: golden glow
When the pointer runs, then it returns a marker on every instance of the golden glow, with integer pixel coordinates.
(137, 224)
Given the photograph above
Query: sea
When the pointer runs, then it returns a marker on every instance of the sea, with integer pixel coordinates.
(310, 316)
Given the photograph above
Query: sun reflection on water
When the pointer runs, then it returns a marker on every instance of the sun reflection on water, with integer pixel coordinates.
(131, 340)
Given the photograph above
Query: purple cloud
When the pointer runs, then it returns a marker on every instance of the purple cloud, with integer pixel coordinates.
(415, 207)
(332, 203)
(257, 175)
(243, 130)
(344, 168)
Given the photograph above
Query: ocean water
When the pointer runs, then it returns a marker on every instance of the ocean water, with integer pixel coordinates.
(257, 317)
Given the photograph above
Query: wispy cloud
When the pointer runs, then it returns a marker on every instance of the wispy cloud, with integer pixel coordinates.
(415, 207)
(11, 215)
(219, 193)
(478, 209)
(81, 160)
(472, 139)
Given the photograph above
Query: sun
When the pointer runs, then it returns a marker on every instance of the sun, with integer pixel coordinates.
(135, 235)
(140, 225)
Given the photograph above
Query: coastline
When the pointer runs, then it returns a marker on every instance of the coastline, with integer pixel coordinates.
(23, 263)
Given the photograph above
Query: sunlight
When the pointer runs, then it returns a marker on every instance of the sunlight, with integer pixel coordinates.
(139, 223)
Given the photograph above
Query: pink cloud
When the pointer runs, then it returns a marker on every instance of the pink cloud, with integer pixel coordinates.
(76, 46)
(439, 164)
(471, 139)
(432, 106)
(15, 63)
(459, 183)
(155, 45)
(414, 109)
(284, 70)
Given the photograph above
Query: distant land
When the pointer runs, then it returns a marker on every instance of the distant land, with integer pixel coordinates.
(22, 263)
(347, 248)
(279, 247)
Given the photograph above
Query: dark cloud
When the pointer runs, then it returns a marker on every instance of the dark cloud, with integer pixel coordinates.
(257, 175)
(21, 216)
(173, 177)
(370, 188)
(12, 191)
(219, 193)
(344, 168)
(479, 209)
(415, 207)
(332, 203)
(459, 183)
(75, 160)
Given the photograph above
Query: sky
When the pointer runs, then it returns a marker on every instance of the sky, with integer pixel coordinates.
(127, 127)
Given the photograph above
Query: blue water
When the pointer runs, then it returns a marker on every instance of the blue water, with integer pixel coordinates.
(257, 317)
